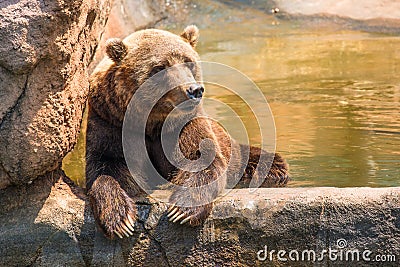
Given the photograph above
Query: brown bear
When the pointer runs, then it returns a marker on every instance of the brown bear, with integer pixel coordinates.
(110, 185)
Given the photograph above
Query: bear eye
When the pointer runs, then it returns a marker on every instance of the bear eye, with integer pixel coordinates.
(192, 66)
(156, 70)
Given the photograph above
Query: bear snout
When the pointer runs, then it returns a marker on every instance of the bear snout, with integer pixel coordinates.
(195, 91)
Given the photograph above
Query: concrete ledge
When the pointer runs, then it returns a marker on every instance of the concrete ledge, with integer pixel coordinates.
(49, 223)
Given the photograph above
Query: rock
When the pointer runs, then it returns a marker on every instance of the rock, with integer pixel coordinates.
(36, 215)
(360, 10)
(372, 16)
(45, 49)
(49, 223)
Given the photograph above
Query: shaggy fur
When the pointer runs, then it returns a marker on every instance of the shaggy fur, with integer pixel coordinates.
(111, 188)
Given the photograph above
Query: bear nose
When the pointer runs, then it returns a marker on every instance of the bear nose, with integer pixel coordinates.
(195, 91)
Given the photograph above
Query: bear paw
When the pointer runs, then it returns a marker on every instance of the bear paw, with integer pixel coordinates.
(113, 209)
(278, 174)
(192, 215)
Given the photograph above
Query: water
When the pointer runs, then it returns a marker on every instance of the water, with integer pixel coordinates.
(74, 162)
(335, 96)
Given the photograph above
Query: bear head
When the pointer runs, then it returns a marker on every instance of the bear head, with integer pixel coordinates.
(150, 53)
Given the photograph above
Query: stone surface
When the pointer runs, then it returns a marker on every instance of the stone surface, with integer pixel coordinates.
(45, 49)
(49, 223)
(381, 16)
(362, 10)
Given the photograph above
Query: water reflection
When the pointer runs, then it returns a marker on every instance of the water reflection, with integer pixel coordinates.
(335, 97)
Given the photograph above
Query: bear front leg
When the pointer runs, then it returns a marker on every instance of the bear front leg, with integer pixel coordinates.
(109, 184)
(113, 209)
(110, 189)
(192, 200)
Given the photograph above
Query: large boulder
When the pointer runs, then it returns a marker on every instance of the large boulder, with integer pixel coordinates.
(45, 50)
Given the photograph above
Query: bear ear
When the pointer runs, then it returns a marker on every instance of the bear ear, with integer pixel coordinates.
(191, 34)
(116, 49)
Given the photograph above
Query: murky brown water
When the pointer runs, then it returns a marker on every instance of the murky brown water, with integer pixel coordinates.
(335, 96)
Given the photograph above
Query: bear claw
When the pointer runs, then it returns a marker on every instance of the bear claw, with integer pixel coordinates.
(175, 215)
(121, 230)
(129, 224)
(186, 220)
(124, 227)
(127, 229)
(192, 215)
(118, 234)
(178, 218)
(173, 211)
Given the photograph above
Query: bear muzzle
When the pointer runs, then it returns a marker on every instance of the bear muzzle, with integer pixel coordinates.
(194, 95)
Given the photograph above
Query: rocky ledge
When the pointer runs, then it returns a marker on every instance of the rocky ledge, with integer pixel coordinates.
(49, 223)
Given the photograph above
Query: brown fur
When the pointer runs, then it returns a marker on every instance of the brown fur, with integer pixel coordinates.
(111, 187)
